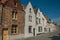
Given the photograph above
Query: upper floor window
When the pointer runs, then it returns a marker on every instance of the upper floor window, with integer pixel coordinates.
(14, 15)
(30, 10)
(30, 29)
(14, 29)
(39, 21)
(36, 20)
(15, 4)
(30, 18)
(43, 21)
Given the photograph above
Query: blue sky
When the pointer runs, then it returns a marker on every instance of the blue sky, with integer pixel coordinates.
(51, 8)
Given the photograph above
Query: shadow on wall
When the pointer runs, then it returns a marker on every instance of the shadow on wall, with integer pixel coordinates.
(56, 37)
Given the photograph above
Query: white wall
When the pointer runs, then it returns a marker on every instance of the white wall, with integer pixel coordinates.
(39, 16)
(27, 22)
(44, 25)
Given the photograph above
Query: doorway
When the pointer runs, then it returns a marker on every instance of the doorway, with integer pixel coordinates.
(34, 31)
(5, 34)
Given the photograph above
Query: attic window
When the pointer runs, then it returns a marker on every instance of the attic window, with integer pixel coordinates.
(30, 10)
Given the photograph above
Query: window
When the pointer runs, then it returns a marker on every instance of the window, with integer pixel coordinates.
(30, 29)
(39, 29)
(15, 4)
(13, 15)
(39, 21)
(30, 10)
(14, 29)
(45, 29)
(36, 20)
(43, 21)
(30, 18)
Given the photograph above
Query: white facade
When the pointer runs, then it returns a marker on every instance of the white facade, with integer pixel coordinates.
(39, 22)
(44, 23)
(36, 23)
(53, 27)
(29, 12)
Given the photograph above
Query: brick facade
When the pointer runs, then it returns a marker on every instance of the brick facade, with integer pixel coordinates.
(8, 21)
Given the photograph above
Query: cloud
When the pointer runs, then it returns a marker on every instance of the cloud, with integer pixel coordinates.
(57, 20)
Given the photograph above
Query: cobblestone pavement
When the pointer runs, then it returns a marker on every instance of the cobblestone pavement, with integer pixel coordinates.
(47, 36)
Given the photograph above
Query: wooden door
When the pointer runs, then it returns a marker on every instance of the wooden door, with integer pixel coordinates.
(5, 34)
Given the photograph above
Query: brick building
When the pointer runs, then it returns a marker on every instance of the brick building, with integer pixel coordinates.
(12, 17)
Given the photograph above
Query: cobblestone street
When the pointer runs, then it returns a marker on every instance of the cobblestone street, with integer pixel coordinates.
(49, 36)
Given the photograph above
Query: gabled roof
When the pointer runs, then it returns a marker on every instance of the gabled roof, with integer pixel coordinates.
(35, 10)
(48, 20)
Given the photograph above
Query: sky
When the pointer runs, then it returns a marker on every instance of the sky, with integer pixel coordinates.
(51, 8)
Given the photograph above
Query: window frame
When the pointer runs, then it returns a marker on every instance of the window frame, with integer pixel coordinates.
(30, 29)
(14, 29)
(30, 18)
(39, 29)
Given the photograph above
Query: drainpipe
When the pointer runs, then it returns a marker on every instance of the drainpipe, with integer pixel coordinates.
(2, 18)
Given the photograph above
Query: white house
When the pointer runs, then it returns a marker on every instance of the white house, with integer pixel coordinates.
(39, 22)
(44, 23)
(52, 27)
(30, 24)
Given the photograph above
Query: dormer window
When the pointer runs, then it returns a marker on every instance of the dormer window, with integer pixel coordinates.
(14, 15)
(30, 10)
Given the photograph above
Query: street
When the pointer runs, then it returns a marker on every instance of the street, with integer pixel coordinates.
(47, 36)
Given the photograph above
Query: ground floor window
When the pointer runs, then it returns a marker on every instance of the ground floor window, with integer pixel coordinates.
(39, 29)
(45, 29)
(30, 29)
(14, 29)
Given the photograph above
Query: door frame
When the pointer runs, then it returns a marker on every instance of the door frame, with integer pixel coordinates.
(3, 30)
(33, 31)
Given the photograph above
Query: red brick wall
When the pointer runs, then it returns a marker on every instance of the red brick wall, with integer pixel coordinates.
(7, 19)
